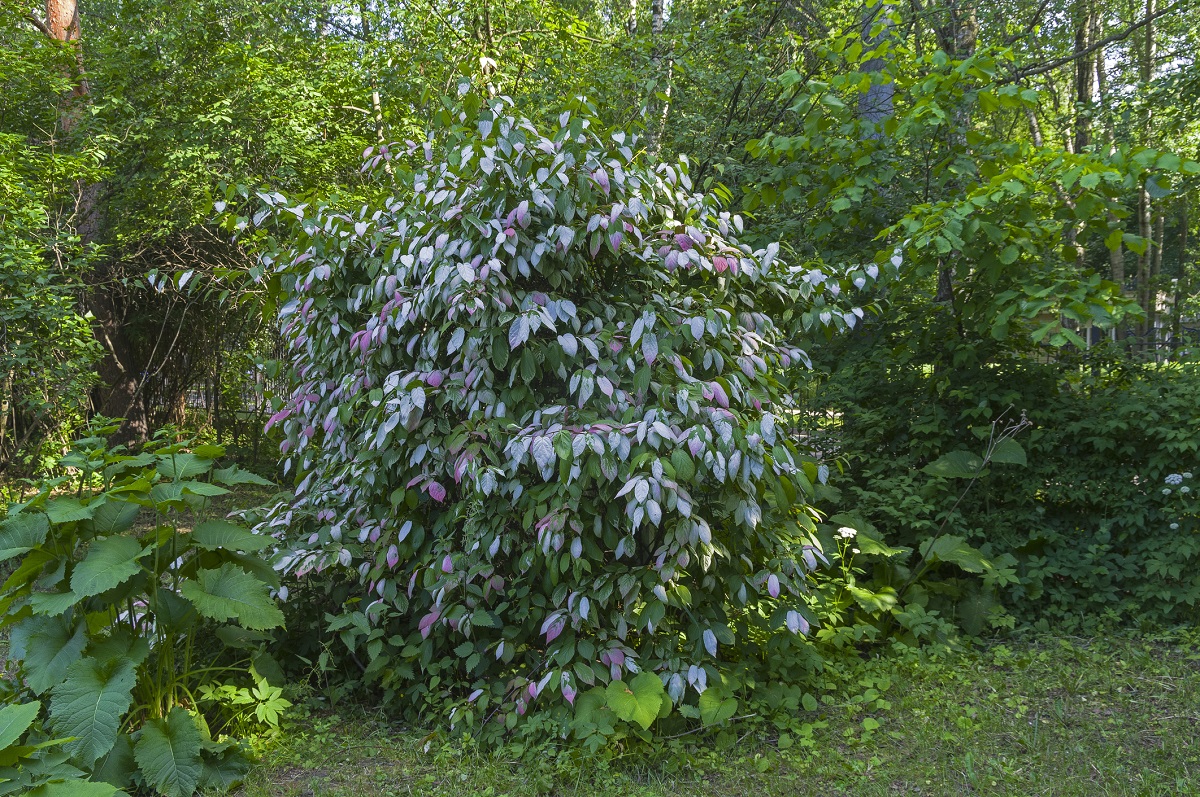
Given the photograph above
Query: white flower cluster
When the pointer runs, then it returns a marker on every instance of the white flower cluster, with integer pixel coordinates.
(846, 533)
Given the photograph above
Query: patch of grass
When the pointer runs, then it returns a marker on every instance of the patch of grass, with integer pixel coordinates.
(1026, 716)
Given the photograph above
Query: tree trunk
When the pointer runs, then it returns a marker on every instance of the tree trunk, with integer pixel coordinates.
(657, 108)
(876, 106)
(1145, 209)
(1085, 73)
(118, 370)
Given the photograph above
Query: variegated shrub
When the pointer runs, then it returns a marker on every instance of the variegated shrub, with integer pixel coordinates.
(534, 408)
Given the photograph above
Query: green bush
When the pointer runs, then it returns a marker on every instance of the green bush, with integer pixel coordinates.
(136, 616)
(1089, 520)
(535, 416)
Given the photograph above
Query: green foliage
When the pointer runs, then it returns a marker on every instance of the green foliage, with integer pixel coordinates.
(1091, 525)
(535, 414)
(113, 604)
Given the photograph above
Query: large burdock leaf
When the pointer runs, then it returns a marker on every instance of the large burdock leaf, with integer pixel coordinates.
(89, 704)
(182, 466)
(233, 475)
(74, 788)
(168, 754)
(47, 647)
(114, 516)
(230, 593)
(109, 563)
(15, 720)
(214, 534)
(22, 533)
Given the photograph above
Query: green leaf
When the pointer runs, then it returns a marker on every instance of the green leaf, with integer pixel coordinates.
(74, 788)
(68, 510)
(231, 593)
(225, 766)
(47, 648)
(1010, 452)
(52, 603)
(89, 705)
(955, 465)
(637, 701)
(114, 516)
(685, 469)
(221, 534)
(117, 766)
(233, 476)
(109, 563)
(715, 706)
(203, 488)
(168, 754)
(182, 466)
(15, 720)
(482, 618)
(22, 533)
(955, 550)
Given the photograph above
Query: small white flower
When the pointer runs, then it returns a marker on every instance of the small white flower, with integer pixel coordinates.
(1174, 527)
(1174, 478)
(1187, 474)
(846, 533)
(1166, 491)
(1185, 489)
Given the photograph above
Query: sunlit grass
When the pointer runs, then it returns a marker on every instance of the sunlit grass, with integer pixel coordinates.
(1039, 716)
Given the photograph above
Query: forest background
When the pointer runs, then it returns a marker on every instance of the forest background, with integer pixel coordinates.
(992, 206)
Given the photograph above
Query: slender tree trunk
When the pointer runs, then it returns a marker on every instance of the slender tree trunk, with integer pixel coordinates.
(657, 108)
(876, 105)
(1181, 285)
(118, 370)
(1145, 209)
(1085, 73)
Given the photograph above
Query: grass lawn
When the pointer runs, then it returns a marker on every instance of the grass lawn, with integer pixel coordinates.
(1031, 716)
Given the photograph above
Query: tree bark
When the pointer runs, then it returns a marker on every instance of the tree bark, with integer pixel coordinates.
(1085, 73)
(118, 370)
(1145, 209)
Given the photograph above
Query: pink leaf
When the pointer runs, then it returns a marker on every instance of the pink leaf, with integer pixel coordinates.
(773, 585)
(447, 564)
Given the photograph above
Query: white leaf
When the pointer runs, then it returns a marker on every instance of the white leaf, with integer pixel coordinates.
(569, 343)
(710, 642)
(641, 490)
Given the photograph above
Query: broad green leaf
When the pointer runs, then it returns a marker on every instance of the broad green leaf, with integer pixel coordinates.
(233, 476)
(22, 533)
(955, 550)
(214, 534)
(109, 563)
(955, 465)
(1009, 451)
(121, 644)
(117, 765)
(74, 788)
(637, 701)
(182, 466)
(715, 706)
(229, 593)
(114, 516)
(168, 754)
(203, 488)
(47, 647)
(225, 766)
(89, 705)
(15, 720)
(68, 510)
(52, 603)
